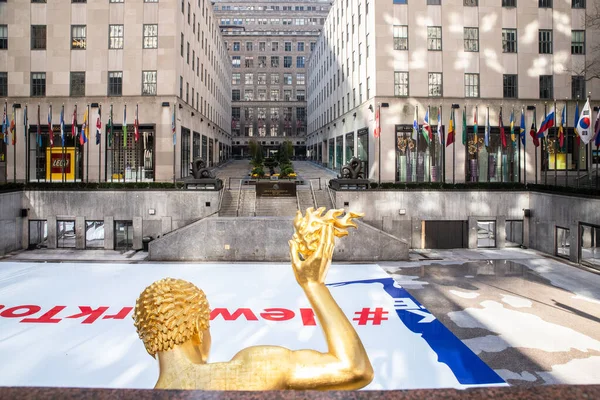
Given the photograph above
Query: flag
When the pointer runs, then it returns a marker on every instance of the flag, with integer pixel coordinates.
(13, 128)
(62, 125)
(125, 126)
(85, 128)
(109, 126)
(512, 125)
(173, 127)
(597, 129)
(38, 138)
(451, 132)
(464, 126)
(25, 121)
(50, 131)
(377, 124)
(532, 132)
(522, 127)
(486, 137)
(99, 126)
(440, 127)
(547, 123)
(415, 123)
(501, 126)
(5, 125)
(561, 131)
(475, 127)
(136, 125)
(584, 124)
(575, 122)
(427, 133)
(74, 123)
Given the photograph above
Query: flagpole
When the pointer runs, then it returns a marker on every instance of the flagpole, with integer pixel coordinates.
(565, 122)
(535, 153)
(417, 147)
(588, 148)
(545, 144)
(502, 143)
(100, 144)
(37, 142)
(136, 134)
(453, 149)
(578, 147)
(555, 146)
(429, 144)
(442, 148)
(524, 142)
(87, 155)
(26, 143)
(379, 144)
(62, 145)
(51, 137)
(174, 143)
(14, 145)
(109, 141)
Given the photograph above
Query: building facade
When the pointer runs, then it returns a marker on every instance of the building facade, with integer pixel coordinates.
(269, 43)
(387, 63)
(159, 68)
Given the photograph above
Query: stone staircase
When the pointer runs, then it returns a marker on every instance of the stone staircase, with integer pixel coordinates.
(247, 202)
(305, 198)
(276, 206)
(323, 199)
(229, 203)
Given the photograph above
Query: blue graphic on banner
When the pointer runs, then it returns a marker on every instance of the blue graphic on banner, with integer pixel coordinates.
(468, 368)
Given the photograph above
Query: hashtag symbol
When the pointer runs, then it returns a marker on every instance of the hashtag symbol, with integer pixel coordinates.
(368, 315)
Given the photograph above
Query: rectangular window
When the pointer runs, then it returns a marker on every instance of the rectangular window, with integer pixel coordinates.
(401, 84)
(509, 86)
(3, 37)
(300, 95)
(300, 46)
(545, 3)
(249, 79)
(3, 84)
(287, 62)
(78, 36)
(249, 46)
(115, 83)
(577, 42)
(248, 94)
(94, 234)
(235, 95)
(435, 84)
(578, 3)
(235, 61)
(509, 40)
(509, 3)
(115, 36)
(400, 37)
(471, 39)
(434, 38)
(471, 3)
(274, 94)
(274, 79)
(434, 2)
(287, 46)
(300, 79)
(38, 37)
(545, 41)
(149, 83)
(300, 62)
(578, 87)
(546, 87)
(249, 62)
(471, 85)
(274, 61)
(261, 79)
(287, 79)
(77, 84)
(38, 84)
(274, 46)
(236, 46)
(236, 78)
(262, 61)
(150, 36)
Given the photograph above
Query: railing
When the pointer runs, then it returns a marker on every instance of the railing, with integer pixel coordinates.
(298, 202)
(237, 210)
(331, 197)
(221, 199)
(312, 192)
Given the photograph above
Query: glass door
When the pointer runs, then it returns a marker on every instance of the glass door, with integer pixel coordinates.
(123, 235)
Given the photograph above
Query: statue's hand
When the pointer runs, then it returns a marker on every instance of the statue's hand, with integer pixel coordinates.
(314, 268)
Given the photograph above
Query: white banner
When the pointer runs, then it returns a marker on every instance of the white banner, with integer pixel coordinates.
(70, 325)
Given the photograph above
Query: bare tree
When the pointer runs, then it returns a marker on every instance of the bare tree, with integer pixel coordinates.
(591, 68)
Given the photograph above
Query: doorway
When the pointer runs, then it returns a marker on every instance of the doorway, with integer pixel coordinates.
(123, 235)
(445, 235)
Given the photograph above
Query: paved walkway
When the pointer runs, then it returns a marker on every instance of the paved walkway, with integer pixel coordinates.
(237, 169)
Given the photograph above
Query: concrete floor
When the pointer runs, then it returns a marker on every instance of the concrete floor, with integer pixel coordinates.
(237, 169)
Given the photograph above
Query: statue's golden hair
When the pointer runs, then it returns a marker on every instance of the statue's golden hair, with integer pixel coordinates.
(170, 312)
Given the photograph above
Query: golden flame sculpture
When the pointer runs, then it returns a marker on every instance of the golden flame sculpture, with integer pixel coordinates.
(172, 318)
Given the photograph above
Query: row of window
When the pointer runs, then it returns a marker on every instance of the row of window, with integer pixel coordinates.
(270, 8)
(85, 1)
(261, 79)
(471, 39)
(471, 84)
(261, 113)
(505, 3)
(236, 61)
(272, 21)
(274, 95)
(77, 83)
(262, 46)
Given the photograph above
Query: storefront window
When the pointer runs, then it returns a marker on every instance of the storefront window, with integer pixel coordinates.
(132, 161)
(339, 155)
(493, 163)
(362, 150)
(331, 149)
(54, 163)
(65, 234)
(590, 245)
(349, 147)
(560, 158)
(406, 154)
(94, 234)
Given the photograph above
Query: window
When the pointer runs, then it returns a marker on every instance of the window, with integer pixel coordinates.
(236, 78)
(546, 87)
(94, 234)
(38, 37)
(181, 47)
(262, 46)
(300, 62)
(578, 87)
(300, 46)
(3, 37)
(115, 37)
(149, 83)
(248, 46)
(400, 37)
(77, 84)
(578, 3)
(38, 84)
(471, 3)
(181, 87)
(78, 37)
(249, 79)
(150, 36)
(287, 62)
(435, 84)
(509, 3)
(509, 40)
(249, 62)
(262, 61)
(262, 94)
(287, 79)
(274, 79)
(401, 84)
(471, 39)
(261, 79)
(188, 53)
(235, 95)
(115, 83)
(3, 84)
(235, 61)
(509, 86)
(471, 85)
(577, 42)
(274, 46)
(434, 2)
(545, 41)
(434, 38)
(236, 46)
(399, 1)
(287, 46)
(248, 94)
(275, 61)
(545, 3)
(300, 95)
(274, 94)
(300, 79)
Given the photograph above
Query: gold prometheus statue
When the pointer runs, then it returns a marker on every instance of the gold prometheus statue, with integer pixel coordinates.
(172, 318)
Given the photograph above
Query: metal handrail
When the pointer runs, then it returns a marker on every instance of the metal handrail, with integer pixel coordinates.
(237, 211)
(255, 202)
(221, 198)
(331, 197)
(313, 194)
(298, 201)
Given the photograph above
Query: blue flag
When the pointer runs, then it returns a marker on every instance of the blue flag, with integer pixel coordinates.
(522, 128)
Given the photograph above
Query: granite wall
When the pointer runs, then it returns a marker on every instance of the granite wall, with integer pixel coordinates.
(12, 225)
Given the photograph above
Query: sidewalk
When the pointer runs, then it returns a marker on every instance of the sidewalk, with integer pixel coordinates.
(72, 255)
